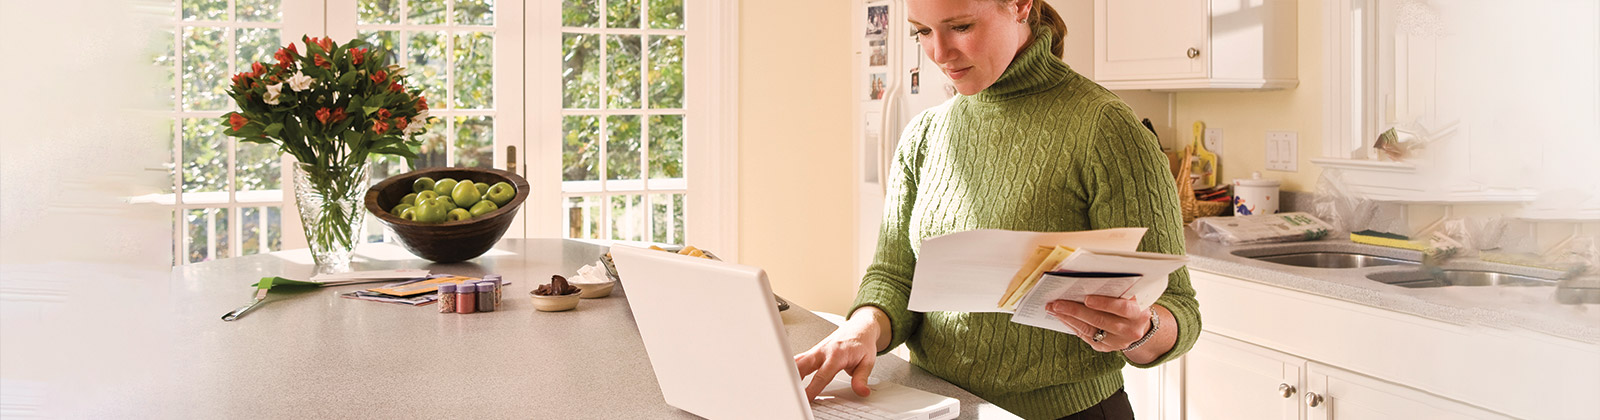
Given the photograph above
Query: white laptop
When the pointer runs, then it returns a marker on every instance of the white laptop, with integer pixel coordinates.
(719, 349)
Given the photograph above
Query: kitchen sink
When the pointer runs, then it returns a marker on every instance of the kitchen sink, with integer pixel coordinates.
(1329, 259)
(1423, 278)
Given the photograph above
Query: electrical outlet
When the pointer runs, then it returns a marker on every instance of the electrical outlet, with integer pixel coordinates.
(1213, 140)
(1283, 151)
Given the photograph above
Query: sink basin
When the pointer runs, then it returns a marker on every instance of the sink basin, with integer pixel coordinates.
(1324, 259)
(1421, 279)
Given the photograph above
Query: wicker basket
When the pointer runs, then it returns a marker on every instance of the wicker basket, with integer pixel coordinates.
(1192, 208)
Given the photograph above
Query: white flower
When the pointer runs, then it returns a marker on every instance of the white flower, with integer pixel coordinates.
(273, 92)
(416, 124)
(395, 70)
(300, 82)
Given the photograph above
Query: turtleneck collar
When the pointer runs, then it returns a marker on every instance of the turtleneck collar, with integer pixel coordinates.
(1034, 70)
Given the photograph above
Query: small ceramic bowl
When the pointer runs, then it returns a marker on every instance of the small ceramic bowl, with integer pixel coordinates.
(595, 290)
(556, 303)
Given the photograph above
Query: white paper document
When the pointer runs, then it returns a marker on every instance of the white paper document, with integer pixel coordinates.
(968, 271)
(370, 276)
(1138, 275)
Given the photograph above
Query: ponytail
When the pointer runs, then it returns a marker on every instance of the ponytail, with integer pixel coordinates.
(1043, 14)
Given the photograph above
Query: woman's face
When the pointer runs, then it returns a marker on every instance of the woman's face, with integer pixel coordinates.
(972, 41)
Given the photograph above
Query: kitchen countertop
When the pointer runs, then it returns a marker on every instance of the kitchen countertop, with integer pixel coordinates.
(125, 350)
(1502, 307)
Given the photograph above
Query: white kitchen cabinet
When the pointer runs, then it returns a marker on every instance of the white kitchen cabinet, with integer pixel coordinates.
(1231, 379)
(1195, 44)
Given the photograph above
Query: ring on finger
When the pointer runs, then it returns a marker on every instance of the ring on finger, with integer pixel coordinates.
(1099, 335)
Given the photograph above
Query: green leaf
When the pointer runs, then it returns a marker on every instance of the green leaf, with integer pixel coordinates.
(274, 129)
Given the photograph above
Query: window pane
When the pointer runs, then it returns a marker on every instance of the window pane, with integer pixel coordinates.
(622, 52)
(255, 45)
(274, 228)
(384, 166)
(250, 230)
(580, 13)
(666, 218)
(205, 68)
(258, 167)
(666, 72)
(627, 217)
(205, 155)
(378, 11)
(432, 152)
(474, 57)
(208, 234)
(384, 40)
(474, 142)
(426, 12)
(622, 13)
(205, 9)
(583, 217)
(168, 142)
(622, 148)
(580, 71)
(475, 12)
(257, 11)
(428, 65)
(666, 146)
(666, 14)
(580, 148)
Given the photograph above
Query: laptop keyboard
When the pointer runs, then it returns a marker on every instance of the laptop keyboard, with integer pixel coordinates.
(842, 409)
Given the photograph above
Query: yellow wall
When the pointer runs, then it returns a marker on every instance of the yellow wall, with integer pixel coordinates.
(795, 201)
(1245, 117)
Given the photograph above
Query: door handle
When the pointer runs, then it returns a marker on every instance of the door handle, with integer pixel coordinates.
(511, 159)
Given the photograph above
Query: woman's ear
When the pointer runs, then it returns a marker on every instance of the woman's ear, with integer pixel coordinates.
(1021, 9)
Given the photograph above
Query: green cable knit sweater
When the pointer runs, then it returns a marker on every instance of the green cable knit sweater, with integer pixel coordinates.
(1043, 149)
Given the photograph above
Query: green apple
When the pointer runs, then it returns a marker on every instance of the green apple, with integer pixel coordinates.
(409, 199)
(444, 186)
(424, 196)
(483, 189)
(422, 184)
(399, 208)
(465, 194)
(430, 212)
(410, 213)
(501, 193)
(483, 207)
(459, 214)
(445, 200)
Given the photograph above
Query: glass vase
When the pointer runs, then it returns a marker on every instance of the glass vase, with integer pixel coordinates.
(331, 212)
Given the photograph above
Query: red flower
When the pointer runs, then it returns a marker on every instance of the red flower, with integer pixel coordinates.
(379, 77)
(237, 121)
(357, 55)
(338, 114)
(321, 62)
(256, 69)
(285, 56)
(400, 123)
(422, 102)
(324, 114)
(241, 80)
(383, 113)
(395, 87)
(378, 126)
(325, 43)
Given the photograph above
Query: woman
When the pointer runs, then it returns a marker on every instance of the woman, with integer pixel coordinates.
(1028, 145)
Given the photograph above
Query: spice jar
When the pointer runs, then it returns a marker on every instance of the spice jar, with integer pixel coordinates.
(447, 298)
(486, 292)
(495, 278)
(466, 298)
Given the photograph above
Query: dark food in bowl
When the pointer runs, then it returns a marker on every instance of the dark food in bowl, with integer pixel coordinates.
(558, 286)
(450, 241)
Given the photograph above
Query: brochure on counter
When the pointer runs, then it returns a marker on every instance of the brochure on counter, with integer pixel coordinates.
(1019, 273)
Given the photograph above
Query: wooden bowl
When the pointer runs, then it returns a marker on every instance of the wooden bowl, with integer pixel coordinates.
(452, 241)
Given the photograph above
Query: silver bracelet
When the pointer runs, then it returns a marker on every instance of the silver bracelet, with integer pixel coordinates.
(1155, 324)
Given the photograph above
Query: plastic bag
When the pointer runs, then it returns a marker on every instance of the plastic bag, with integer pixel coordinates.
(1264, 228)
(1347, 211)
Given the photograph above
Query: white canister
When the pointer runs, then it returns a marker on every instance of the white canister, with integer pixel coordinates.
(1255, 196)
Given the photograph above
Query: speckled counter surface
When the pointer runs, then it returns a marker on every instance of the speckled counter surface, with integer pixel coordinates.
(1504, 307)
(312, 354)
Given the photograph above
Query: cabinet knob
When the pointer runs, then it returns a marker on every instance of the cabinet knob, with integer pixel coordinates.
(1194, 52)
(1286, 390)
(1313, 400)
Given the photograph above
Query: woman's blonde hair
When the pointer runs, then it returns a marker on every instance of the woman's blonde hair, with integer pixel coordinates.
(1043, 14)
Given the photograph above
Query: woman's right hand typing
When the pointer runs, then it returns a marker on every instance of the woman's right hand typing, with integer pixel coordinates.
(853, 348)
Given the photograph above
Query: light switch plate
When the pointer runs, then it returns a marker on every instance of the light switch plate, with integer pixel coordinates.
(1283, 151)
(1213, 140)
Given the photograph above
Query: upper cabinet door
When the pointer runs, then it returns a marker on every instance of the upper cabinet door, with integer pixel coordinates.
(1145, 39)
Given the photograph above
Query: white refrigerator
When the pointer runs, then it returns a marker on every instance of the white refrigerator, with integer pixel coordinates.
(894, 81)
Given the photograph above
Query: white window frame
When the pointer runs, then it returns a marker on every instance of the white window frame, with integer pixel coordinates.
(710, 128)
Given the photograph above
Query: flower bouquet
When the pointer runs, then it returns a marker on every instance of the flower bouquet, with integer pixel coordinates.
(330, 108)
